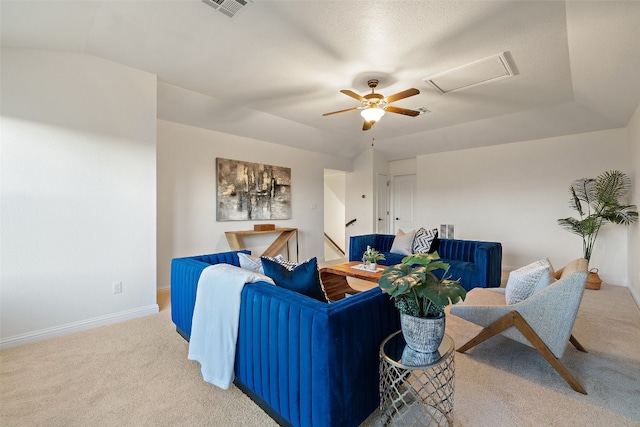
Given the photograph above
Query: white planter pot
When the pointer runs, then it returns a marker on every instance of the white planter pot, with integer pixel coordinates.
(371, 266)
(423, 335)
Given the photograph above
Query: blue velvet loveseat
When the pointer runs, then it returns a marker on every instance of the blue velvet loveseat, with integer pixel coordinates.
(475, 263)
(305, 362)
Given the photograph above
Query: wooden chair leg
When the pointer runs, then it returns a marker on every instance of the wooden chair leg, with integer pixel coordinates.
(494, 329)
(514, 318)
(576, 344)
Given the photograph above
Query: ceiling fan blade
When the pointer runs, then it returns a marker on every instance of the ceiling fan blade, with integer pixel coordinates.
(401, 95)
(353, 95)
(340, 111)
(404, 111)
(367, 125)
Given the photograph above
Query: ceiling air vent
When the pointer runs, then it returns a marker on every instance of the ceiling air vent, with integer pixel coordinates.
(228, 7)
(476, 73)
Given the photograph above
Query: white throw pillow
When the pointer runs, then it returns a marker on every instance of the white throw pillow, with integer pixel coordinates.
(403, 242)
(423, 240)
(250, 263)
(253, 263)
(528, 280)
(544, 283)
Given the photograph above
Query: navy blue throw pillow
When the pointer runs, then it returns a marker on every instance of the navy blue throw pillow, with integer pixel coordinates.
(303, 278)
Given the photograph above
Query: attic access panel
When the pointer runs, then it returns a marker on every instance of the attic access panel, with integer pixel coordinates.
(477, 73)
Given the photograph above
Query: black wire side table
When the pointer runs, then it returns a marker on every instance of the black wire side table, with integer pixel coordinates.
(416, 389)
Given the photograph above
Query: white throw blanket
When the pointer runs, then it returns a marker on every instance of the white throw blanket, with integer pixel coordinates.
(216, 316)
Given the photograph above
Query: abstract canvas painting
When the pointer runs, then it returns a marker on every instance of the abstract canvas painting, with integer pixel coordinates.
(252, 191)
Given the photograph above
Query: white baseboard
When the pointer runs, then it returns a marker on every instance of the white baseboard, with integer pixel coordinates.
(83, 325)
(635, 295)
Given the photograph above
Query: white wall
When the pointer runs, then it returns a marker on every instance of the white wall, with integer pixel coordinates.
(514, 194)
(78, 194)
(403, 167)
(187, 193)
(634, 229)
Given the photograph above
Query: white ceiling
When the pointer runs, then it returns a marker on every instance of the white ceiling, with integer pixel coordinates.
(274, 68)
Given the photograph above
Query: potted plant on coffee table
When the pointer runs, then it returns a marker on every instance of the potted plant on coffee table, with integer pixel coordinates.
(371, 258)
(421, 297)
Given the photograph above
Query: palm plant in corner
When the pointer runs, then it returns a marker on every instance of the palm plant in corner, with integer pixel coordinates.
(598, 202)
(421, 297)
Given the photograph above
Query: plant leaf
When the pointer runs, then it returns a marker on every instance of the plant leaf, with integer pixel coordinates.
(574, 201)
(621, 214)
(584, 190)
(572, 225)
(610, 186)
(442, 293)
(398, 279)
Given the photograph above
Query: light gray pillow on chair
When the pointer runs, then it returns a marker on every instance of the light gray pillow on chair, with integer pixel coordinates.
(528, 280)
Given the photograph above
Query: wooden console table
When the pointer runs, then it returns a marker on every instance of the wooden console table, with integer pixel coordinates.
(233, 237)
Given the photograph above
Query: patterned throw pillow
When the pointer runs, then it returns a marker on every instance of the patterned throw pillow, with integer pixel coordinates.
(289, 265)
(423, 240)
(528, 280)
(403, 242)
(303, 278)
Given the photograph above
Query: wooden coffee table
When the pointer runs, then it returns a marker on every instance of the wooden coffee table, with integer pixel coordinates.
(334, 278)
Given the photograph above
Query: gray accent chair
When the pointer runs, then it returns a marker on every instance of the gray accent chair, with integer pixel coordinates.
(543, 321)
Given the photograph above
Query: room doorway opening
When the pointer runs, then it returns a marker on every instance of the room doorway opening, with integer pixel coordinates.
(334, 214)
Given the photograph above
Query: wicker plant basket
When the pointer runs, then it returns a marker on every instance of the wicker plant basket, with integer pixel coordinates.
(593, 280)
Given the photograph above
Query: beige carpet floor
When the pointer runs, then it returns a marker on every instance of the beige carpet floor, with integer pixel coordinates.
(136, 373)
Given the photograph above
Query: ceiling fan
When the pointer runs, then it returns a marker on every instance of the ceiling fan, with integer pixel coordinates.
(374, 105)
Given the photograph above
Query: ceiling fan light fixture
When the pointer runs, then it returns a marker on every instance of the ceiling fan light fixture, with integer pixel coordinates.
(372, 114)
(373, 105)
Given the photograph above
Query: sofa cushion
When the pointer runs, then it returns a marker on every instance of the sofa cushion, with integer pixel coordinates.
(423, 240)
(527, 280)
(403, 242)
(303, 278)
(391, 259)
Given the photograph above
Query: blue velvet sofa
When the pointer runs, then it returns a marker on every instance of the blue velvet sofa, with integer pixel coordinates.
(475, 263)
(305, 362)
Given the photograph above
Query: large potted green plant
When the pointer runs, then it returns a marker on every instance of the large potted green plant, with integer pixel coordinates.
(421, 297)
(598, 201)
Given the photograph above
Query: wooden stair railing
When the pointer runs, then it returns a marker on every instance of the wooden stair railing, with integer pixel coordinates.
(334, 244)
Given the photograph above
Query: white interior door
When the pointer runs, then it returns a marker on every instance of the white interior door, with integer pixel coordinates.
(383, 204)
(404, 201)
